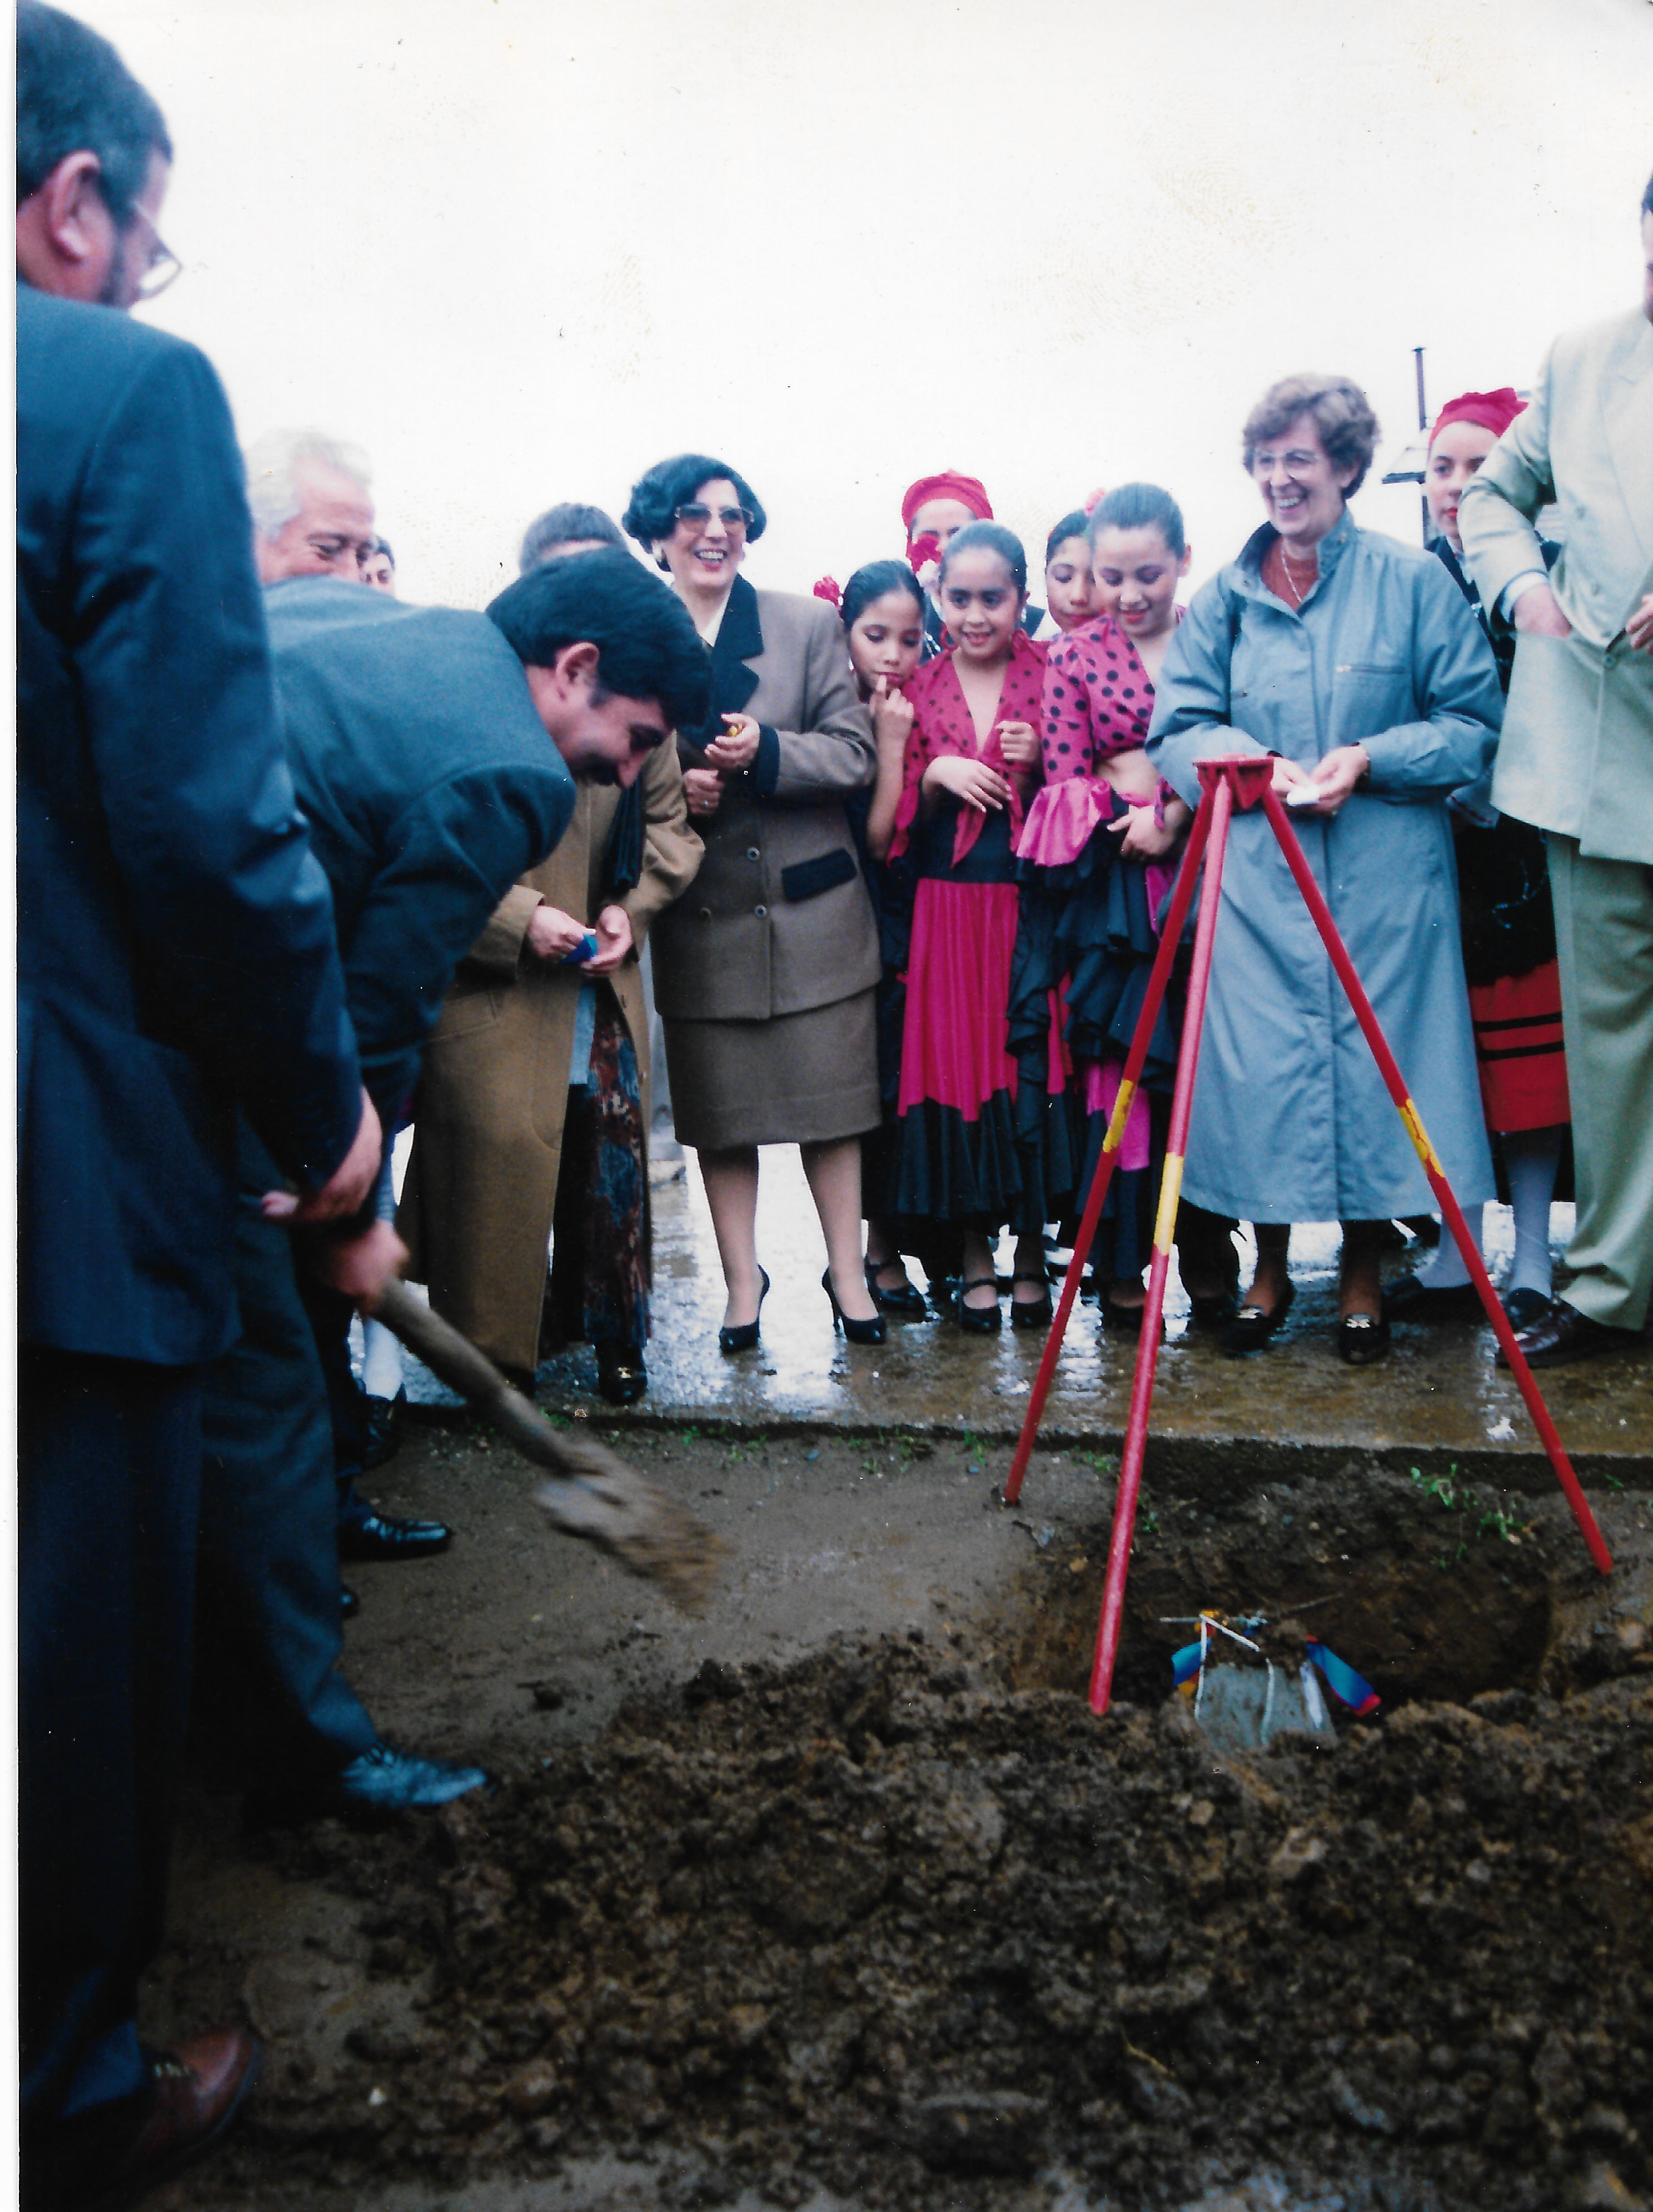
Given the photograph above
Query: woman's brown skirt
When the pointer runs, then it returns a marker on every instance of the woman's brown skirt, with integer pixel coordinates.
(802, 1078)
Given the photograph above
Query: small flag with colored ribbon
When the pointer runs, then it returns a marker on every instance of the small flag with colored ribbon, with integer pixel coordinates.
(1349, 1688)
(1187, 1663)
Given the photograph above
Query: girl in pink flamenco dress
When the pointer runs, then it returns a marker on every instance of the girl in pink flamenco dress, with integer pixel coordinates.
(972, 760)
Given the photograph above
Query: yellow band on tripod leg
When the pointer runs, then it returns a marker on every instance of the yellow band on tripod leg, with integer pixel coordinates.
(1117, 1119)
(1165, 1227)
(1419, 1136)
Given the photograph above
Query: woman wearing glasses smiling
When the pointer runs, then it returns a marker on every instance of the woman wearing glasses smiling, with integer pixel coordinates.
(765, 970)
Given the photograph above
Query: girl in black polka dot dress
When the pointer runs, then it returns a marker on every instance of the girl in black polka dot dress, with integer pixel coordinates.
(1099, 853)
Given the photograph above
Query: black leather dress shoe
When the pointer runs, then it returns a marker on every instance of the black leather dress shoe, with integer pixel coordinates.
(1523, 1307)
(377, 1536)
(383, 1779)
(384, 1428)
(387, 1780)
(1562, 1334)
(621, 1375)
(194, 2094)
(1408, 1299)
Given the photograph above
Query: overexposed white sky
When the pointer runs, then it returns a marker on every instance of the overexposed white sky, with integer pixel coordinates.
(520, 249)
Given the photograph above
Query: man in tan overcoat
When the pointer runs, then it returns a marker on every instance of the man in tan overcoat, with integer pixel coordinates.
(480, 1190)
(1577, 759)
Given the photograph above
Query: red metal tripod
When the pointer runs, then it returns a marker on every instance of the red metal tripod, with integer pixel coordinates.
(1242, 781)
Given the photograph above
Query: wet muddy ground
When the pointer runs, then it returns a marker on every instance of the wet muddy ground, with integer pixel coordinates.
(1438, 1402)
(838, 1896)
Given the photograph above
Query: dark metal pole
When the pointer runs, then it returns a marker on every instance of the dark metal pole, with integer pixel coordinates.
(1423, 425)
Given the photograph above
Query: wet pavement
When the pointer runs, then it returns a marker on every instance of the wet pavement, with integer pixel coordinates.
(1437, 1402)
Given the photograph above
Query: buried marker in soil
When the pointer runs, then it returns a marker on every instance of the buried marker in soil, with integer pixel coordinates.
(902, 1921)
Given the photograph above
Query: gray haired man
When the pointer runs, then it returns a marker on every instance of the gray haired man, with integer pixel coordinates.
(311, 508)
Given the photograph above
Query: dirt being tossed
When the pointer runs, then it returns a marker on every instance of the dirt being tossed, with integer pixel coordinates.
(879, 1922)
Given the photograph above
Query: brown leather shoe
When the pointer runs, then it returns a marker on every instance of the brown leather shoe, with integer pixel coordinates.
(1562, 1334)
(195, 2092)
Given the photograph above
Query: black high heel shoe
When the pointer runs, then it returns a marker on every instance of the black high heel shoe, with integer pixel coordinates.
(743, 1335)
(1363, 1338)
(1251, 1327)
(905, 1302)
(1217, 1309)
(858, 1332)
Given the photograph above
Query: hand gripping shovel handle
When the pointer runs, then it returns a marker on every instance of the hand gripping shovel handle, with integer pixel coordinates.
(596, 1495)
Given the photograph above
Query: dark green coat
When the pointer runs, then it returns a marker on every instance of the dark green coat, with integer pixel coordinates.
(429, 784)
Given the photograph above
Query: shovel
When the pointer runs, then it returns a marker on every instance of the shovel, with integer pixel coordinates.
(595, 1495)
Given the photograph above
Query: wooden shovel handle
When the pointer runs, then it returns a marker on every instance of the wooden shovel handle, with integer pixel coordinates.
(453, 1359)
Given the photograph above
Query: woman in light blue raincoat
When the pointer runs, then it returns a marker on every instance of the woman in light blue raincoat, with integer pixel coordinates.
(1354, 660)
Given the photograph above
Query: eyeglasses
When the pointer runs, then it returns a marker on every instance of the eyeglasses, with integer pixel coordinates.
(697, 515)
(164, 267)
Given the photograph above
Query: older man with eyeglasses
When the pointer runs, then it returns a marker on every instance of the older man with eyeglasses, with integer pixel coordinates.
(175, 949)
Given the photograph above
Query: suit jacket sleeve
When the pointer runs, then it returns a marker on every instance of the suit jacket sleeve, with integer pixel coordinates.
(499, 949)
(834, 751)
(1500, 501)
(671, 850)
(450, 857)
(166, 632)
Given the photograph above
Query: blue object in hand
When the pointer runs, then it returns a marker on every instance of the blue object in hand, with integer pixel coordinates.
(585, 949)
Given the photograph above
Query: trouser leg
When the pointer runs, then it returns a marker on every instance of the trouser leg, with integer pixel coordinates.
(1531, 1157)
(331, 1316)
(110, 1456)
(270, 1621)
(1604, 943)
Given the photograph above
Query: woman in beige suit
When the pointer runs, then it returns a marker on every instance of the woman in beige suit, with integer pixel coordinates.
(526, 1032)
(765, 972)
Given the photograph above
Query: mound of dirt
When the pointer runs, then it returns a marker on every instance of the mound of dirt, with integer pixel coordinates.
(881, 1921)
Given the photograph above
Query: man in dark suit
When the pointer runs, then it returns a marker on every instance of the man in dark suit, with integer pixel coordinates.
(175, 949)
(312, 515)
(418, 742)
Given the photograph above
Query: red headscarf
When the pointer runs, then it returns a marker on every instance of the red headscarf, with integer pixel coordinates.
(968, 491)
(942, 725)
(1493, 410)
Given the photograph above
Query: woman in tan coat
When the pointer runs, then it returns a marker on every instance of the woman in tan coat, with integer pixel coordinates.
(765, 973)
(498, 1159)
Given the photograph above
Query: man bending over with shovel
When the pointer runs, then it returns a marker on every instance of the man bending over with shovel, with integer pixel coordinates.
(418, 740)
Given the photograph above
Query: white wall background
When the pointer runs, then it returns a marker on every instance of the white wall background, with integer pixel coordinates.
(520, 249)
